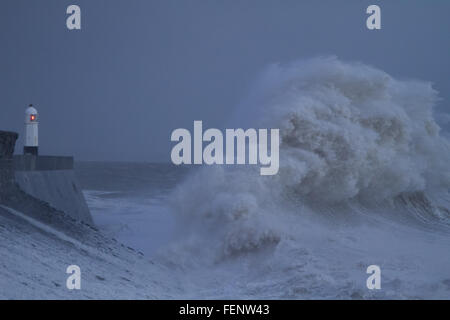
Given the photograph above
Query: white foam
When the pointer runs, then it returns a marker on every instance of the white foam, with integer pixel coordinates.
(354, 141)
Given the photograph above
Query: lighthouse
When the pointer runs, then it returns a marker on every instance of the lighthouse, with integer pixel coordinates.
(31, 142)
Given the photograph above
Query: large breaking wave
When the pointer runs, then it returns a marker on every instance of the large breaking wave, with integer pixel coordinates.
(355, 142)
(350, 130)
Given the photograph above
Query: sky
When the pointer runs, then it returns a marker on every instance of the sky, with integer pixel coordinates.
(116, 89)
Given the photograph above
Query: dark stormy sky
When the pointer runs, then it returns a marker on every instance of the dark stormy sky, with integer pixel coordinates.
(139, 69)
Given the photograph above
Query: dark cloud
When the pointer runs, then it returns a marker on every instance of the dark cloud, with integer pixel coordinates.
(139, 69)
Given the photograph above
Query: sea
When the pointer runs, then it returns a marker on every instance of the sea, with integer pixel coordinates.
(360, 208)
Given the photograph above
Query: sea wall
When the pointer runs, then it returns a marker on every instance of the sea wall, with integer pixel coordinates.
(42, 163)
(6, 174)
(47, 178)
(59, 188)
(7, 144)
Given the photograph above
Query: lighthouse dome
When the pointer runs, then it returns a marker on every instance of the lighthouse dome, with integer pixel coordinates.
(31, 115)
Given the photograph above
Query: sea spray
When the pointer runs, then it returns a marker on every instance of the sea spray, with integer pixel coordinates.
(349, 132)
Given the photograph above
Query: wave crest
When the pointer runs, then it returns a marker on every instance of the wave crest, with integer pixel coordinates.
(349, 132)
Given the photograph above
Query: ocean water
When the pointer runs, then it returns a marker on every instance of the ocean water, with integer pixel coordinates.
(364, 180)
(128, 201)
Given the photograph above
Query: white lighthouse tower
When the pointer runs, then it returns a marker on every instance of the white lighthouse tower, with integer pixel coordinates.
(31, 142)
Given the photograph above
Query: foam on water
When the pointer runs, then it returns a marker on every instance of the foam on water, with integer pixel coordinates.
(364, 179)
(141, 223)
